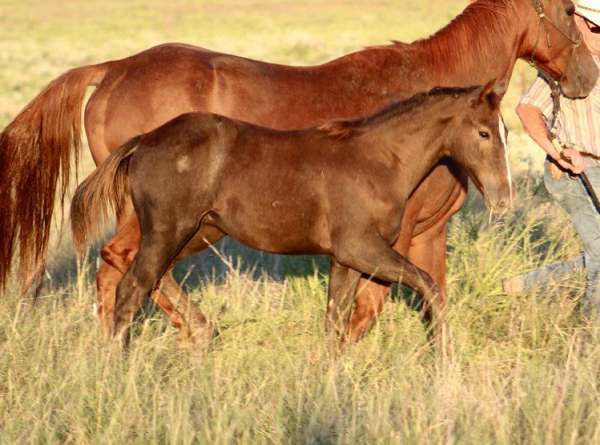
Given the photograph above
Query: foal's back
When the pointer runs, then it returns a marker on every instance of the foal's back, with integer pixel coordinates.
(192, 142)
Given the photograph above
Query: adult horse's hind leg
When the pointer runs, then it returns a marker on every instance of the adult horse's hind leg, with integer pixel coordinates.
(342, 290)
(183, 314)
(117, 256)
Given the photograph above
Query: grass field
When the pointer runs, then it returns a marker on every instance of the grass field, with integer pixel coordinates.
(523, 369)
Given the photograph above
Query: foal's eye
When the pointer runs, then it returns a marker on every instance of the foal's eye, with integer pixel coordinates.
(484, 134)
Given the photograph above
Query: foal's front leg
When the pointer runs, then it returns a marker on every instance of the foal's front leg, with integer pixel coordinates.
(341, 294)
(371, 295)
(373, 256)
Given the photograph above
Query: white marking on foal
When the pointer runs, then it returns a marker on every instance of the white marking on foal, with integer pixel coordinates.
(502, 130)
(183, 164)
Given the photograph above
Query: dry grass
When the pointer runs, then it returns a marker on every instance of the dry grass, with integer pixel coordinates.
(523, 370)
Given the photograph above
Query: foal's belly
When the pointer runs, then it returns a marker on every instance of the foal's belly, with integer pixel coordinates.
(275, 223)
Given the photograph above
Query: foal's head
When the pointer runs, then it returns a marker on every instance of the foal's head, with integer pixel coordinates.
(478, 144)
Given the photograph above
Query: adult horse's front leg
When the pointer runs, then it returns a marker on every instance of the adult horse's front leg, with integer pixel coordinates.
(117, 255)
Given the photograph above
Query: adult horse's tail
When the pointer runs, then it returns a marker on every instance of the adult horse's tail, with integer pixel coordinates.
(36, 151)
(105, 189)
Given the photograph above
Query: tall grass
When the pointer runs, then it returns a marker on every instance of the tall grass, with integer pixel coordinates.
(523, 369)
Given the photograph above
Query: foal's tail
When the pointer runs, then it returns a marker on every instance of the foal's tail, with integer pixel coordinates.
(36, 151)
(104, 190)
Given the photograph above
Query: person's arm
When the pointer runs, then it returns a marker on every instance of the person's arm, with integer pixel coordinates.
(532, 119)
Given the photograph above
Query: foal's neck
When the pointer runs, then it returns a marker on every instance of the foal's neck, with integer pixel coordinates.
(416, 140)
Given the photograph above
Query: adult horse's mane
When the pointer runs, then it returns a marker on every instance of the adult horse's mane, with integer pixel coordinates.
(463, 34)
(347, 127)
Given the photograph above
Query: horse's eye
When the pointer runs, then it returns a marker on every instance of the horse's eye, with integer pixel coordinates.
(571, 10)
(484, 134)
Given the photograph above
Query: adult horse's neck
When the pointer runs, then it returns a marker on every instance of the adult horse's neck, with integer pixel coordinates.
(480, 44)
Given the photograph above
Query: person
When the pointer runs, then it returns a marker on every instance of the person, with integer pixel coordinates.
(577, 128)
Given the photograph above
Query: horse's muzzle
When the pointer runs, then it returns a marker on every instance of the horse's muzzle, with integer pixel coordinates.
(581, 75)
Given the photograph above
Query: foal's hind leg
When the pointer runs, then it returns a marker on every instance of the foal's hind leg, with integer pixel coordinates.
(118, 255)
(157, 252)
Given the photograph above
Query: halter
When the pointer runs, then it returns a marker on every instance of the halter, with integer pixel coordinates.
(538, 5)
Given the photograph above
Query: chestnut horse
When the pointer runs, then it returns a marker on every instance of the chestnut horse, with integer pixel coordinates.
(139, 93)
(339, 189)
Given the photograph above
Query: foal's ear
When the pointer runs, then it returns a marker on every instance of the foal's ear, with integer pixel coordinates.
(494, 97)
(492, 93)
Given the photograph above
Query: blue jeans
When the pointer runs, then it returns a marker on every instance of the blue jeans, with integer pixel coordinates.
(571, 195)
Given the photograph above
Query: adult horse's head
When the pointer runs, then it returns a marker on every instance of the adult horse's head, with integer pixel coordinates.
(479, 145)
(556, 46)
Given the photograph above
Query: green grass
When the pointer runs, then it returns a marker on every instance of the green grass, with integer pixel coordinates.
(523, 369)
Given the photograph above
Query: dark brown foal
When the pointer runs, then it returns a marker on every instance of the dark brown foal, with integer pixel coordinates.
(339, 189)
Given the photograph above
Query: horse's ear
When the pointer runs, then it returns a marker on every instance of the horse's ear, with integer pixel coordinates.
(500, 88)
(492, 93)
(486, 90)
(495, 96)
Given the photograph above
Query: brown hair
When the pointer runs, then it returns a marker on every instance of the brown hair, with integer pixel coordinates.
(36, 153)
(104, 190)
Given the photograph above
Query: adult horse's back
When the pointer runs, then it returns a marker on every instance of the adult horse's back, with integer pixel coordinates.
(137, 94)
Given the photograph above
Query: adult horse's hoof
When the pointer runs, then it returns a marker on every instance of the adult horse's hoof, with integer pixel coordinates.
(198, 337)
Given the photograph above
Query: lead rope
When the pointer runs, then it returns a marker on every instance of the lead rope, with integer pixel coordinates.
(538, 5)
(555, 94)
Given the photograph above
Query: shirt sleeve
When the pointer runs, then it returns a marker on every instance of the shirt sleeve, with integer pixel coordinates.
(539, 95)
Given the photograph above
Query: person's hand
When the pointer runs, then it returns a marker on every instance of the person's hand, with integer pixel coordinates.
(571, 160)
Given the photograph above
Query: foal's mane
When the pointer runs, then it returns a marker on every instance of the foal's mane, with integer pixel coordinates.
(348, 127)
